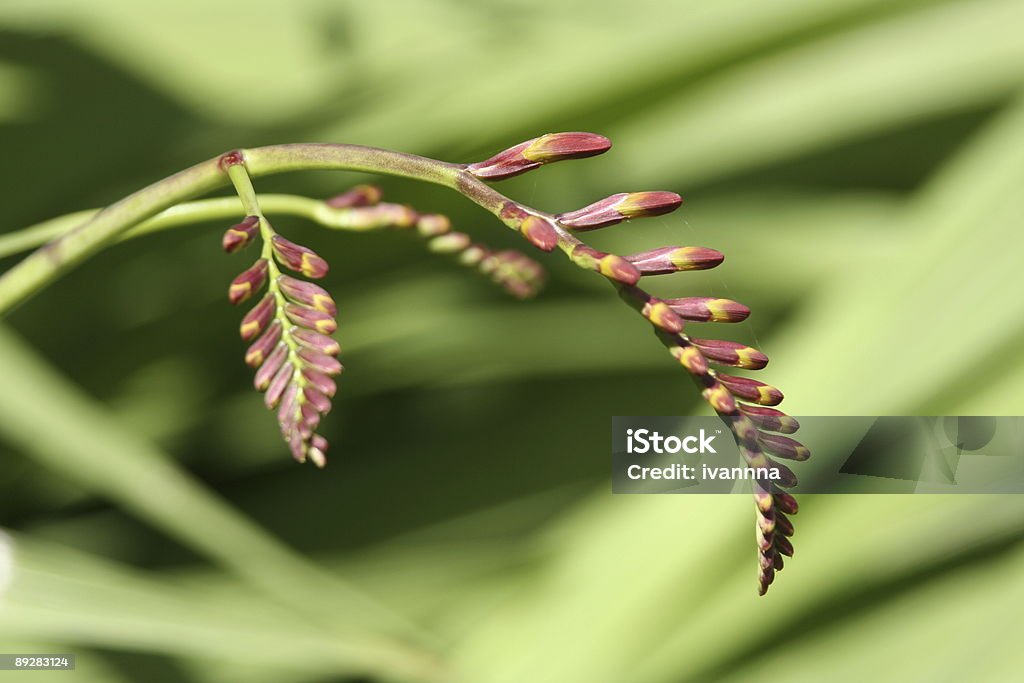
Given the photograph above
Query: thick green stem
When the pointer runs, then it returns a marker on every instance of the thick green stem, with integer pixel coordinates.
(51, 261)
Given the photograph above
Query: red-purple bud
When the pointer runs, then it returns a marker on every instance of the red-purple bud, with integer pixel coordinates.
(787, 480)
(652, 308)
(277, 386)
(311, 318)
(310, 419)
(610, 265)
(317, 399)
(298, 258)
(248, 282)
(320, 362)
(731, 353)
(322, 382)
(262, 347)
(783, 524)
(539, 232)
(709, 309)
(674, 259)
(270, 366)
(237, 236)
(360, 195)
(286, 409)
(620, 207)
(783, 447)
(316, 341)
(751, 390)
(770, 420)
(543, 150)
(308, 294)
(258, 318)
(786, 503)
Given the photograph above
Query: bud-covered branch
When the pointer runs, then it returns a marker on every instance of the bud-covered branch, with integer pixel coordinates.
(289, 328)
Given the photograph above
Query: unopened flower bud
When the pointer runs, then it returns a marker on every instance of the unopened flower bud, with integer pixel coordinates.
(305, 316)
(316, 341)
(320, 362)
(731, 353)
(322, 382)
(783, 447)
(449, 243)
(258, 318)
(709, 309)
(282, 377)
(433, 224)
(543, 150)
(317, 451)
(786, 503)
(783, 525)
(611, 266)
(751, 390)
(674, 259)
(298, 258)
(308, 294)
(652, 308)
(270, 366)
(237, 236)
(539, 232)
(248, 282)
(770, 420)
(620, 207)
(317, 399)
(360, 195)
(262, 347)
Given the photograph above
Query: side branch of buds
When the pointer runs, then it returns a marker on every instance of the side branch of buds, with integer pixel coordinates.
(516, 273)
(289, 329)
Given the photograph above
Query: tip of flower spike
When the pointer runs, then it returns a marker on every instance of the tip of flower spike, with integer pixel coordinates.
(538, 151)
(620, 207)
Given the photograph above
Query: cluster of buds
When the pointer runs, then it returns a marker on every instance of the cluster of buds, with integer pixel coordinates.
(289, 330)
(295, 356)
(744, 403)
(516, 273)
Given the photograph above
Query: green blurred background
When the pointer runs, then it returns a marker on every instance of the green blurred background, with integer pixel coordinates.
(858, 161)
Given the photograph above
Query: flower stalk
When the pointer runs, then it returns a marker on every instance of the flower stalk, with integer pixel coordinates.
(297, 380)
